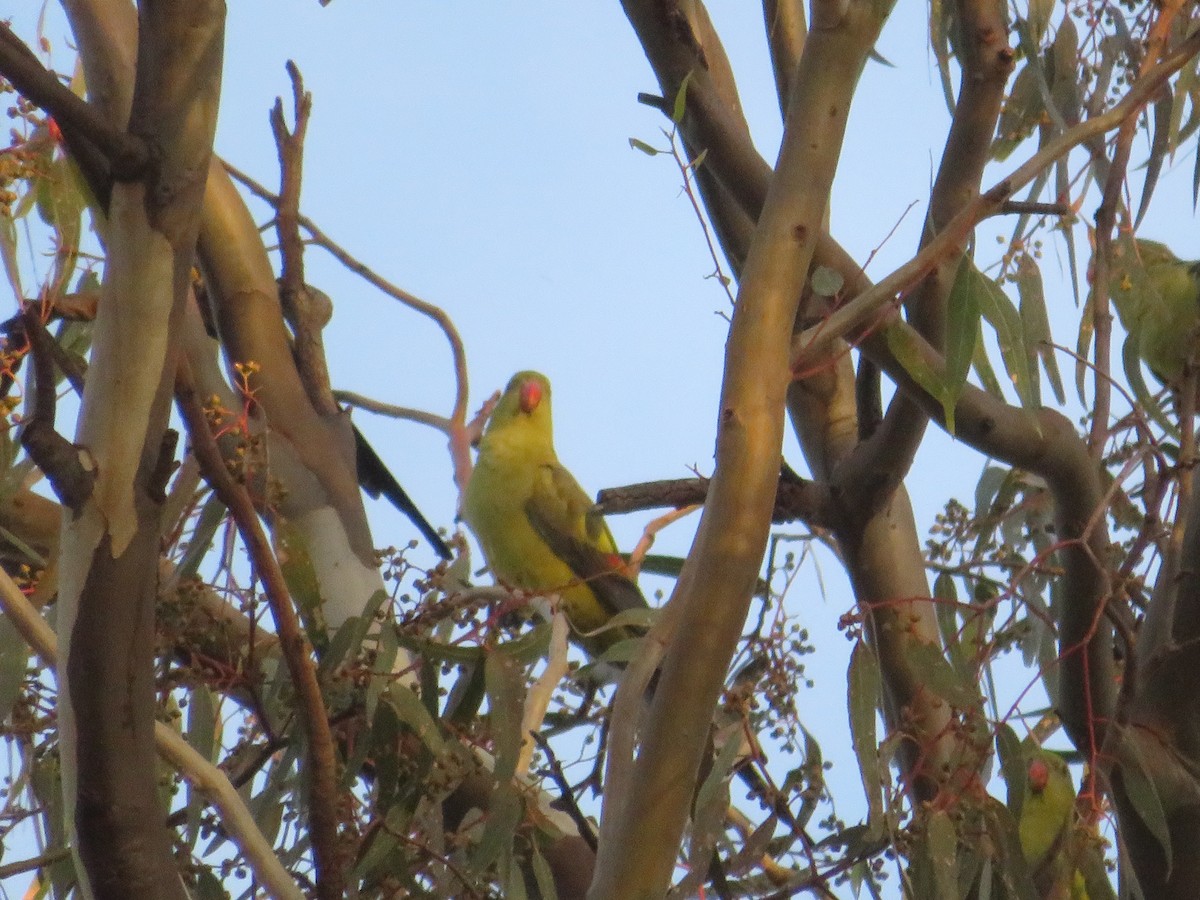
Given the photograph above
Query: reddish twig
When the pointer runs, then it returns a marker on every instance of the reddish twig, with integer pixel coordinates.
(323, 794)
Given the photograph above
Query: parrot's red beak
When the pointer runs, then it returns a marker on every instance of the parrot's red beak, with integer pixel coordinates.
(531, 396)
(1038, 775)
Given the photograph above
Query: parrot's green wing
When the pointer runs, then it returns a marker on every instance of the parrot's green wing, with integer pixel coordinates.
(564, 517)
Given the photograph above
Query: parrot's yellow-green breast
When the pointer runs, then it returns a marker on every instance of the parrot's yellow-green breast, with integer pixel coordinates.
(530, 516)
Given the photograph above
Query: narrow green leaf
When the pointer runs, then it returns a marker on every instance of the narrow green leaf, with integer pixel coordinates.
(1000, 313)
(941, 844)
(1131, 359)
(505, 682)
(1012, 767)
(1064, 57)
(1022, 111)
(202, 736)
(939, 676)
(946, 607)
(940, 26)
(680, 108)
(212, 514)
(525, 649)
(347, 642)
(1143, 794)
(1038, 337)
(543, 877)
(991, 480)
(962, 334)
(863, 680)
(412, 712)
(904, 345)
(1159, 147)
(644, 147)
(386, 651)
(983, 367)
(1196, 178)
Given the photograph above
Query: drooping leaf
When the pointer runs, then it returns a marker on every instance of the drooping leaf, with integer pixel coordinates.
(983, 367)
(864, 684)
(212, 514)
(962, 334)
(1038, 336)
(939, 676)
(946, 607)
(941, 846)
(904, 345)
(1022, 111)
(1000, 313)
(1143, 794)
(1012, 766)
(1159, 147)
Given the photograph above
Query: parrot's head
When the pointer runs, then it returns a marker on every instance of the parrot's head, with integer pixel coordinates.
(1043, 769)
(1152, 253)
(524, 408)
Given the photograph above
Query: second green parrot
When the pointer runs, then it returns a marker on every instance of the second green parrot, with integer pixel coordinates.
(539, 530)
(1066, 862)
(1157, 296)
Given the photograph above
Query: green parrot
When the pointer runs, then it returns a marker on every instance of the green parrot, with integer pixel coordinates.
(538, 529)
(1046, 809)
(1157, 296)
(1049, 837)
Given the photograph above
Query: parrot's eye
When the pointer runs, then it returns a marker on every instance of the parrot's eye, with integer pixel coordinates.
(531, 396)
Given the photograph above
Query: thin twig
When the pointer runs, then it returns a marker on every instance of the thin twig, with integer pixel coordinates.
(203, 775)
(559, 777)
(323, 793)
(127, 154)
(459, 444)
(302, 306)
(650, 532)
(351, 398)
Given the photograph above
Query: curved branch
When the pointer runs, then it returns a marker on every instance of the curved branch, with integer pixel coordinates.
(639, 842)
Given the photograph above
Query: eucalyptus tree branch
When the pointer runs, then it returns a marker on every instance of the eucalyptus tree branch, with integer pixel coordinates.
(459, 440)
(638, 844)
(868, 309)
(324, 795)
(877, 465)
(127, 154)
(787, 28)
(306, 309)
(795, 498)
(203, 775)
(1046, 443)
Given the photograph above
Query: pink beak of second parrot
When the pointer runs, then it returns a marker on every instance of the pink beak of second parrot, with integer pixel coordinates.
(531, 396)
(1039, 776)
